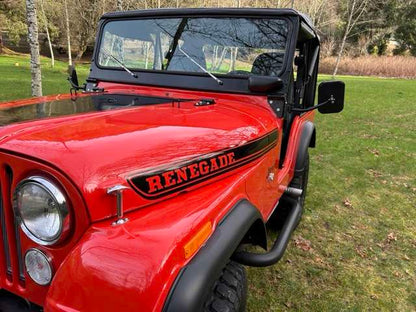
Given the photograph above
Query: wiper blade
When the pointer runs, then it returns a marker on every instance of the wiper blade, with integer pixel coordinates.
(108, 54)
(201, 67)
(175, 44)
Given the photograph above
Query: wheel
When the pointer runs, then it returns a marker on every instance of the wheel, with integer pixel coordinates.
(229, 293)
(301, 182)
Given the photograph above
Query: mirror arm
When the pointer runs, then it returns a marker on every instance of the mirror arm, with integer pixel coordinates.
(331, 100)
(74, 86)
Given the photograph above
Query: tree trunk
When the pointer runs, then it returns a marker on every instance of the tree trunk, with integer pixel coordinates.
(344, 38)
(120, 5)
(33, 40)
(45, 21)
(224, 51)
(80, 53)
(68, 36)
(341, 50)
(233, 58)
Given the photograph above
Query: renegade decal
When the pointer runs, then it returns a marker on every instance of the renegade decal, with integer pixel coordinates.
(162, 182)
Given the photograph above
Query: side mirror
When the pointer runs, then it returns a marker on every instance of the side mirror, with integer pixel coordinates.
(264, 83)
(73, 78)
(332, 94)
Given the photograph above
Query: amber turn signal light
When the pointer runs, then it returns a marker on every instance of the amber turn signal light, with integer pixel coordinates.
(196, 241)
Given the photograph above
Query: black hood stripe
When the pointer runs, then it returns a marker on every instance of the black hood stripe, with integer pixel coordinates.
(175, 178)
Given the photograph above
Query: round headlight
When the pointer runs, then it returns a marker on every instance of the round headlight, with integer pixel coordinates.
(38, 266)
(42, 209)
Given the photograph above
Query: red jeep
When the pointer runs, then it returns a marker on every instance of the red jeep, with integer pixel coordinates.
(142, 189)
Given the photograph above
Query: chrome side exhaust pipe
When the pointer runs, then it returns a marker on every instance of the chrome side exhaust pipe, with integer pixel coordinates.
(293, 192)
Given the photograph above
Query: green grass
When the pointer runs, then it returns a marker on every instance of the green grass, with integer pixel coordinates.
(359, 229)
(15, 77)
(360, 214)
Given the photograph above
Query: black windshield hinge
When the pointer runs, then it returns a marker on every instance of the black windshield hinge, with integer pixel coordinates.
(205, 102)
(278, 104)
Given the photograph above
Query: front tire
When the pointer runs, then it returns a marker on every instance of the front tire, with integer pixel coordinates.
(229, 293)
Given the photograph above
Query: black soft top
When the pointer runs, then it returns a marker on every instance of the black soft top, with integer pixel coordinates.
(209, 11)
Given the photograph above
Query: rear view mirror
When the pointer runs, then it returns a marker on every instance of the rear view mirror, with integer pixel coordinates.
(73, 80)
(73, 77)
(264, 83)
(332, 93)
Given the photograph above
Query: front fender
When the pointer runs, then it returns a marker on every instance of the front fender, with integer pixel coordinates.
(132, 267)
(307, 139)
(109, 270)
(196, 279)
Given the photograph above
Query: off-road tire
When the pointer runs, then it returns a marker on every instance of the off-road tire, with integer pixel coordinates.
(280, 214)
(229, 293)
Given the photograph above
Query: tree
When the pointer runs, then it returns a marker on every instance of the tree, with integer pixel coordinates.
(68, 35)
(353, 12)
(87, 14)
(405, 33)
(45, 22)
(13, 19)
(33, 39)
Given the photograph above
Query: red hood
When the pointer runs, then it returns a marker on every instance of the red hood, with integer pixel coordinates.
(98, 149)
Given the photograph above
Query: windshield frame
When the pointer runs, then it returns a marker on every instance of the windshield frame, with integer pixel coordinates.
(138, 69)
(197, 80)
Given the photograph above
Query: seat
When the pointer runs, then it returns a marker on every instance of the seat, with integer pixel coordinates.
(268, 64)
(180, 62)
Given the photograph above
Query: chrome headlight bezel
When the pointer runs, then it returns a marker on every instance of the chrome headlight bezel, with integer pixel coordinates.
(59, 197)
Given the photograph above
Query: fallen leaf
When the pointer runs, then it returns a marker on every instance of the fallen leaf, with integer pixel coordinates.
(302, 243)
(347, 203)
(391, 237)
(362, 253)
(374, 151)
(374, 173)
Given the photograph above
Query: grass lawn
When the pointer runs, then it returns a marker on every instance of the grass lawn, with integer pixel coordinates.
(356, 247)
(15, 77)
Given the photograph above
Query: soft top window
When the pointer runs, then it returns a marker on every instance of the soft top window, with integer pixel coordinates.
(234, 46)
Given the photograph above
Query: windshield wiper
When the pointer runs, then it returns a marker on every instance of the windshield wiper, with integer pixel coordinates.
(108, 54)
(201, 67)
(175, 44)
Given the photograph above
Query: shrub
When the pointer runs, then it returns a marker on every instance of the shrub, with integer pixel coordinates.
(381, 66)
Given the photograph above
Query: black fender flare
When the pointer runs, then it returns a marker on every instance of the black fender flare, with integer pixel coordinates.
(308, 139)
(194, 282)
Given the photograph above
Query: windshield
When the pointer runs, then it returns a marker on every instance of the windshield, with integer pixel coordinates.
(234, 46)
